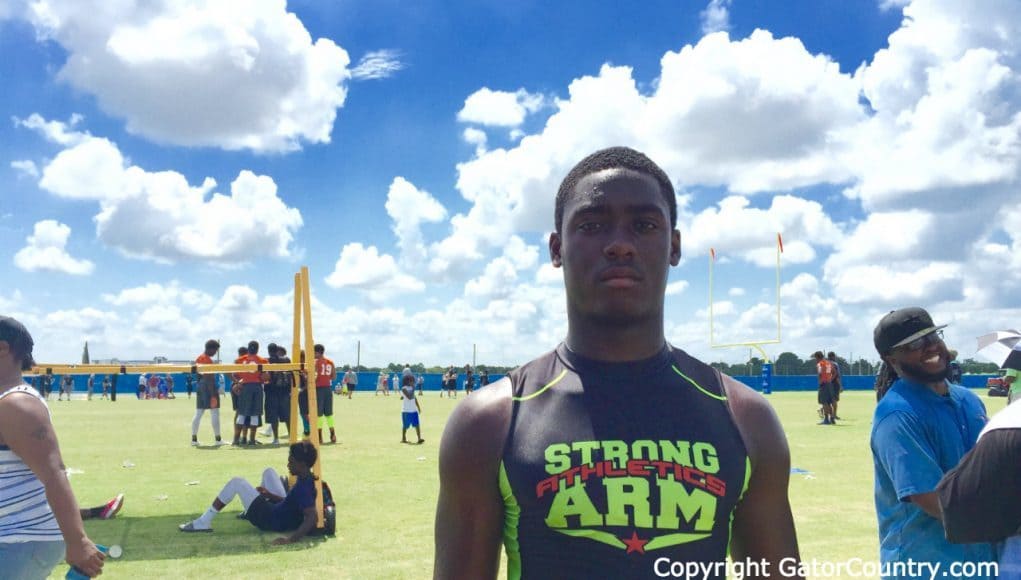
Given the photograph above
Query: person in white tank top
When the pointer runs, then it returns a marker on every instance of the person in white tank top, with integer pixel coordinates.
(39, 518)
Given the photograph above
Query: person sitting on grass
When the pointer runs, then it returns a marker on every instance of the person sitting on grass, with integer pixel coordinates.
(105, 511)
(272, 507)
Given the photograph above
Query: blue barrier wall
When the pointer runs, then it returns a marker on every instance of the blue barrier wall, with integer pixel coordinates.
(851, 382)
(128, 383)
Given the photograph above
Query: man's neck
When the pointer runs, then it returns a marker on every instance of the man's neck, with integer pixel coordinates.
(10, 379)
(939, 387)
(615, 343)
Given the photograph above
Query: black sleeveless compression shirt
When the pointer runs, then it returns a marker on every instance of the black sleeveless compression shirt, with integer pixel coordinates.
(609, 467)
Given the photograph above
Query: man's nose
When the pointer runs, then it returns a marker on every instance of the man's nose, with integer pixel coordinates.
(621, 244)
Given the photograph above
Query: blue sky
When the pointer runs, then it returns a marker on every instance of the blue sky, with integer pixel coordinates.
(167, 167)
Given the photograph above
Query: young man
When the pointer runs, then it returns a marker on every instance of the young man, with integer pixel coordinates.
(824, 373)
(143, 385)
(838, 381)
(350, 381)
(66, 386)
(451, 382)
(381, 384)
(270, 506)
(921, 429)
(208, 396)
(616, 451)
(278, 393)
(326, 373)
(469, 380)
(90, 384)
(410, 409)
(235, 381)
(250, 399)
(106, 387)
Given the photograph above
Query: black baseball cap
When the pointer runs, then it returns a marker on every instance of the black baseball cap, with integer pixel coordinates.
(16, 335)
(900, 327)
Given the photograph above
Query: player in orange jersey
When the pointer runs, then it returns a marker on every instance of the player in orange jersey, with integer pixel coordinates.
(250, 399)
(207, 397)
(326, 373)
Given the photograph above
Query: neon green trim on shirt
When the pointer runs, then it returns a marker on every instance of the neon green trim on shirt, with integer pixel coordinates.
(697, 386)
(511, 517)
(562, 374)
(744, 490)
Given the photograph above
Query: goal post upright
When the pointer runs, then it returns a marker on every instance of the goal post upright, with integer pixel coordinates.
(313, 393)
(295, 419)
(756, 344)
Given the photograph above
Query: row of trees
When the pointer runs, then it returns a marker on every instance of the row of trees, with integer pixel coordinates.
(788, 363)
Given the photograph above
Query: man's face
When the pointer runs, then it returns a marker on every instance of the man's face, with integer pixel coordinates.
(926, 363)
(616, 246)
(295, 467)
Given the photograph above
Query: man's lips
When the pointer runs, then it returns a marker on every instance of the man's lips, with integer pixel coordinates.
(618, 277)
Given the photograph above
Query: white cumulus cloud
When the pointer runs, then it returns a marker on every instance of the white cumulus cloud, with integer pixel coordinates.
(376, 275)
(235, 76)
(499, 108)
(46, 250)
(160, 216)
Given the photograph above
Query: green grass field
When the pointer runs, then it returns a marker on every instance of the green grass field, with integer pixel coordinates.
(385, 491)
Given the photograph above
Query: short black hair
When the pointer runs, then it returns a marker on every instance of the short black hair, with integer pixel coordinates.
(614, 158)
(319, 348)
(253, 347)
(212, 345)
(831, 355)
(817, 354)
(242, 350)
(304, 452)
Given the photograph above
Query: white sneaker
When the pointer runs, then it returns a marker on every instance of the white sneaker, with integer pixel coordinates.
(267, 431)
(194, 443)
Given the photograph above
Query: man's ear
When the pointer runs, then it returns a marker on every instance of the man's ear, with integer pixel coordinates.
(554, 249)
(675, 247)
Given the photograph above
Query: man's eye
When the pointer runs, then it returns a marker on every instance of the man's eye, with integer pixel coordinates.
(645, 226)
(589, 227)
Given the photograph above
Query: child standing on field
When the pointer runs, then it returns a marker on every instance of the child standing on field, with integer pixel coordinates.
(410, 409)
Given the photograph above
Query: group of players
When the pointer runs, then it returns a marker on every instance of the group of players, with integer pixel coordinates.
(44, 384)
(256, 394)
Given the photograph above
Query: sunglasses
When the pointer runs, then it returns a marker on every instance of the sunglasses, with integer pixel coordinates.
(922, 342)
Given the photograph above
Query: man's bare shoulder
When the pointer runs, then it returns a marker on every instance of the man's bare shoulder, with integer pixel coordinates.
(484, 413)
(475, 433)
(756, 420)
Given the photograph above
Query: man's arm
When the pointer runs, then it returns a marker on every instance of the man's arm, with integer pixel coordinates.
(307, 524)
(26, 429)
(979, 497)
(469, 513)
(929, 502)
(763, 527)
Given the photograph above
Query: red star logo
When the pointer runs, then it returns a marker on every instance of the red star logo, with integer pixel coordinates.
(635, 544)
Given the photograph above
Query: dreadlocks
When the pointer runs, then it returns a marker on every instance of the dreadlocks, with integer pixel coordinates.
(886, 377)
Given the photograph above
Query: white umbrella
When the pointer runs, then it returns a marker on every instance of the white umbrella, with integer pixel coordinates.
(997, 347)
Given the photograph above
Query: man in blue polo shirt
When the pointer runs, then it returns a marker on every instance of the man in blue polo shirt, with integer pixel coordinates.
(922, 427)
